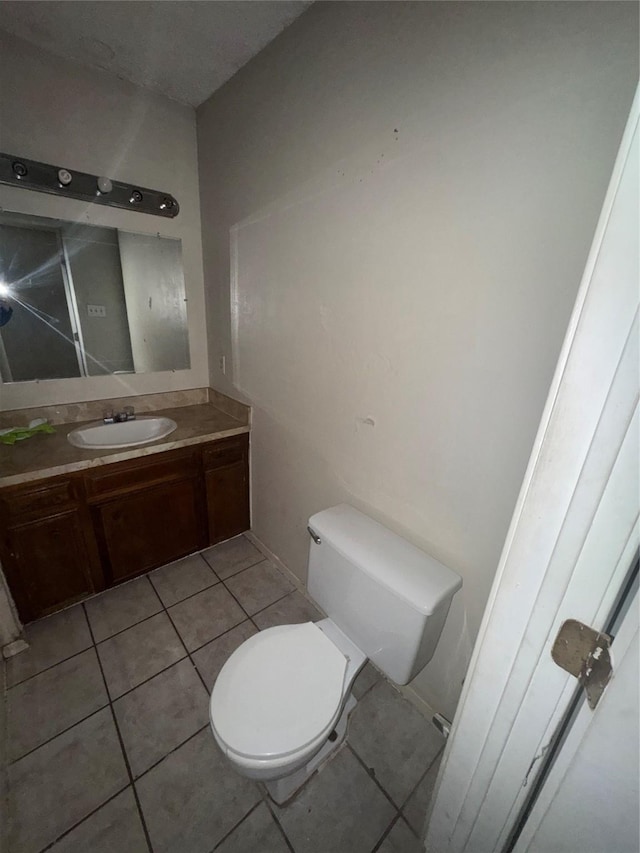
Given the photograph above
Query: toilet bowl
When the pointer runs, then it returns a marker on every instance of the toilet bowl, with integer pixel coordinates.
(280, 696)
(280, 705)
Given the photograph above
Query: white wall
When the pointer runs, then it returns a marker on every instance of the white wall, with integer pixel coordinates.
(409, 192)
(59, 112)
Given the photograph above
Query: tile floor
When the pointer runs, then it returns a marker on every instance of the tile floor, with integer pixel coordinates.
(110, 749)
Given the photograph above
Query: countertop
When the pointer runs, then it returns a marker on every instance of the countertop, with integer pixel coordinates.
(51, 455)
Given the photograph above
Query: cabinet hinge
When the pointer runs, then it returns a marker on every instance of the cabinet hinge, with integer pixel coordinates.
(584, 653)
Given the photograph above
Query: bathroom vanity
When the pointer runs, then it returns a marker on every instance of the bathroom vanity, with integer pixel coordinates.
(103, 521)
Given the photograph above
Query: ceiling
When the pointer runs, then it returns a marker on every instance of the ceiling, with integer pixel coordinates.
(183, 49)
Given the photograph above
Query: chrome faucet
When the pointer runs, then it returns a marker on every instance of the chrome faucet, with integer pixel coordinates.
(127, 414)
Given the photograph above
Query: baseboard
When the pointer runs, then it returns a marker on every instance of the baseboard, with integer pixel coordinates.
(273, 558)
(417, 701)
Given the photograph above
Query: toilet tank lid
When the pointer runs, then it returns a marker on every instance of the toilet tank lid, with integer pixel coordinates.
(387, 558)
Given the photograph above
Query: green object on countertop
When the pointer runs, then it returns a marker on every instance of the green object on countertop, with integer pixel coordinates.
(20, 433)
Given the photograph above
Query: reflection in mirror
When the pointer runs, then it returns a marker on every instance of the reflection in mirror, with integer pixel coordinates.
(83, 300)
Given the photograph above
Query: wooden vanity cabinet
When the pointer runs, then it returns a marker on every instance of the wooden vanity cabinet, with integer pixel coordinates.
(47, 547)
(65, 538)
(226, 475)
(147, 512)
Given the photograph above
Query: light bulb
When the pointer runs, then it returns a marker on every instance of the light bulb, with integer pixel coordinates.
(64, 177)
(104, 185)
(5, 290)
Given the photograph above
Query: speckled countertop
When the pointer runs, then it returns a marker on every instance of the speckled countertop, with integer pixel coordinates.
(50, 455)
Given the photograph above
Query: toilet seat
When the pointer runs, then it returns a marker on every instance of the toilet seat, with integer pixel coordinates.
(278, 695)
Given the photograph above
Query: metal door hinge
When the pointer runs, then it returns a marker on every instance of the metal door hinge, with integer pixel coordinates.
(584, 653)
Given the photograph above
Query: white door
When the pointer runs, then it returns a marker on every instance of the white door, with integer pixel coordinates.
(573, 538)
(589, 800)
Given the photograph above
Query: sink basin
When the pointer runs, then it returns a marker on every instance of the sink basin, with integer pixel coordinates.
(127, 434)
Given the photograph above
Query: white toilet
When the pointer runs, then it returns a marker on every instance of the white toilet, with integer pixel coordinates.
(281, 702)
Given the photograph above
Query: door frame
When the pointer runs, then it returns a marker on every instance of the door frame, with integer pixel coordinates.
(572, 538)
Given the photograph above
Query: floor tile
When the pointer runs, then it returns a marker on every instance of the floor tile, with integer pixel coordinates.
(138, 653)
(60, 783)
(121, 607)
(340, 809)
(51, 640)
(258, 833)
(366, 678)
(232, 556)
(409, 745)
(205, 616)
(415, 809)
(192, 799)
(401, 840)
(54, 700)
(211, 658)
(115, 828)
(259, 586)
(289, 610)
(185, 577)
(161, 714)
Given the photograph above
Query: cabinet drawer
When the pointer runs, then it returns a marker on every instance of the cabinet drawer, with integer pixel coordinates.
(41, 498)
(225, 452)
(123, 477)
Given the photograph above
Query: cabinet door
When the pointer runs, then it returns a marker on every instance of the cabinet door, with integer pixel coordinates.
(226, 465)
(144, 529)
(47, 564)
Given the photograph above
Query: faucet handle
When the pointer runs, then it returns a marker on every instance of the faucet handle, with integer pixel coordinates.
(108, 417)
(130, 413)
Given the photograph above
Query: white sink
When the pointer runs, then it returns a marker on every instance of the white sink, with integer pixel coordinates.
(126, 434)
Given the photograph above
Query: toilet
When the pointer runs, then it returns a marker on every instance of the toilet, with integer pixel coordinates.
(280, 705)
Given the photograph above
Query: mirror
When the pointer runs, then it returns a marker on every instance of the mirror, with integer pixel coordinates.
(85, 300)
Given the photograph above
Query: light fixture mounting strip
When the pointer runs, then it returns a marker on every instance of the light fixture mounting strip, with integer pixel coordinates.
(57, 180)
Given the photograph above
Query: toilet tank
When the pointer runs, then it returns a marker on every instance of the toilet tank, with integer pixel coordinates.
(385, 594)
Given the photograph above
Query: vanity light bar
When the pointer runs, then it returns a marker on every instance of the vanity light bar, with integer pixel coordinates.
(45, 178)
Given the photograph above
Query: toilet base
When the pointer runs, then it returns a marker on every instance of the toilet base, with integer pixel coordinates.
(281, 790)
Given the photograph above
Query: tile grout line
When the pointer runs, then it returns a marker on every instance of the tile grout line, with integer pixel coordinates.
(409, 827)
(95, 643)
(250, 619)
(422, 777)
(415, 788)
(398, 811)
(372, 776)
(267, 802)
(179, 635)
(266, 607)
(120, 696)
(57, 734)
(386, 833)
(262, 559)
(47, 668)
(199, 674)
(82, 820)
(171, 751)
(106, 704)
(236, 825)
(119, 735)
(148, 574)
